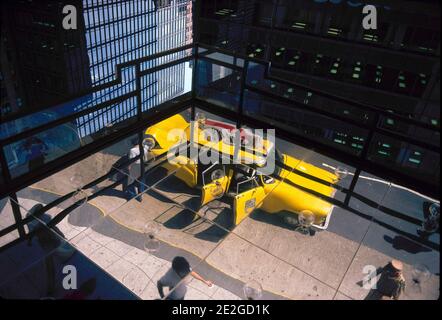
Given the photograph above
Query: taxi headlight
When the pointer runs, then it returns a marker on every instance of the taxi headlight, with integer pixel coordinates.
(217, 174)
(150, 142)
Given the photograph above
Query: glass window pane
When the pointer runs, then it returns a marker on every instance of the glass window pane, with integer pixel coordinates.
(218, 84)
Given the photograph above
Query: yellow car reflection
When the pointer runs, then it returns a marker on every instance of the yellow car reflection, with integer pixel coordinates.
(278, 193)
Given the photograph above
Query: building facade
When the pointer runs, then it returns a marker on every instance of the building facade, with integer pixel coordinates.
(321, 45)
(118, 32)
(42, 64)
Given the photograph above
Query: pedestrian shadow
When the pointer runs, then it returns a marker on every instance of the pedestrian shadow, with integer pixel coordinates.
(402, 243)
(84, 216)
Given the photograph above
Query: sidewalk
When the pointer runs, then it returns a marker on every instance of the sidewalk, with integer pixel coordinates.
(287, 264)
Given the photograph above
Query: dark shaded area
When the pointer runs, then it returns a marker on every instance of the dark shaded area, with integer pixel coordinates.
(115, 193)
(3, 203)
(46, 269)
(402, 243)
(180, 220)
(273, 219)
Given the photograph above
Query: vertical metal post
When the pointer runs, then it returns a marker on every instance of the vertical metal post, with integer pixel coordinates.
(4, 165)
(15, 207)
(17, 214)
(195, 38)
(139, 118)
(352, 186)
(241, 93)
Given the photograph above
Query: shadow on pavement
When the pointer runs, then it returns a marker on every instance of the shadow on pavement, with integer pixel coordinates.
(402, 243)
(180, 220)
(273, 219)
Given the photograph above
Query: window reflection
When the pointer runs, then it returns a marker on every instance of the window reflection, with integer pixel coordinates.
(218, 84)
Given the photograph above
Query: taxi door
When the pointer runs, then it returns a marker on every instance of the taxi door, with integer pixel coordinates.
(245, 202)
(186, 169)
(215, 183)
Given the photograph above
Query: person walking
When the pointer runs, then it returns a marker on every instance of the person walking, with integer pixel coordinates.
(35, 152)
(431, 223)
(391, 283)
(174, 279)
(134, 180)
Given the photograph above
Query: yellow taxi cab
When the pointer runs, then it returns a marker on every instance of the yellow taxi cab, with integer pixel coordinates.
(243, 182)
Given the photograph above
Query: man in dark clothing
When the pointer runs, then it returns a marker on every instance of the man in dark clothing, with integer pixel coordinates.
(37, 227)
(391, 283)
(134, 179)
(431, 223)
(36, 151)
(175, 279)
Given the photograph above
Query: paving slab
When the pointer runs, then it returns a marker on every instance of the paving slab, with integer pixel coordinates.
(150, 292)
(202, 287)
(136, 256)
(136, 281)
(341, 296)
(119, 269)
(104, 257)
(98, 237)
(108, 203)
(151, 265)
(244, 261)
(222, 294)
(195, 294)
(118, 247)
(86, 245)
(325, 256)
